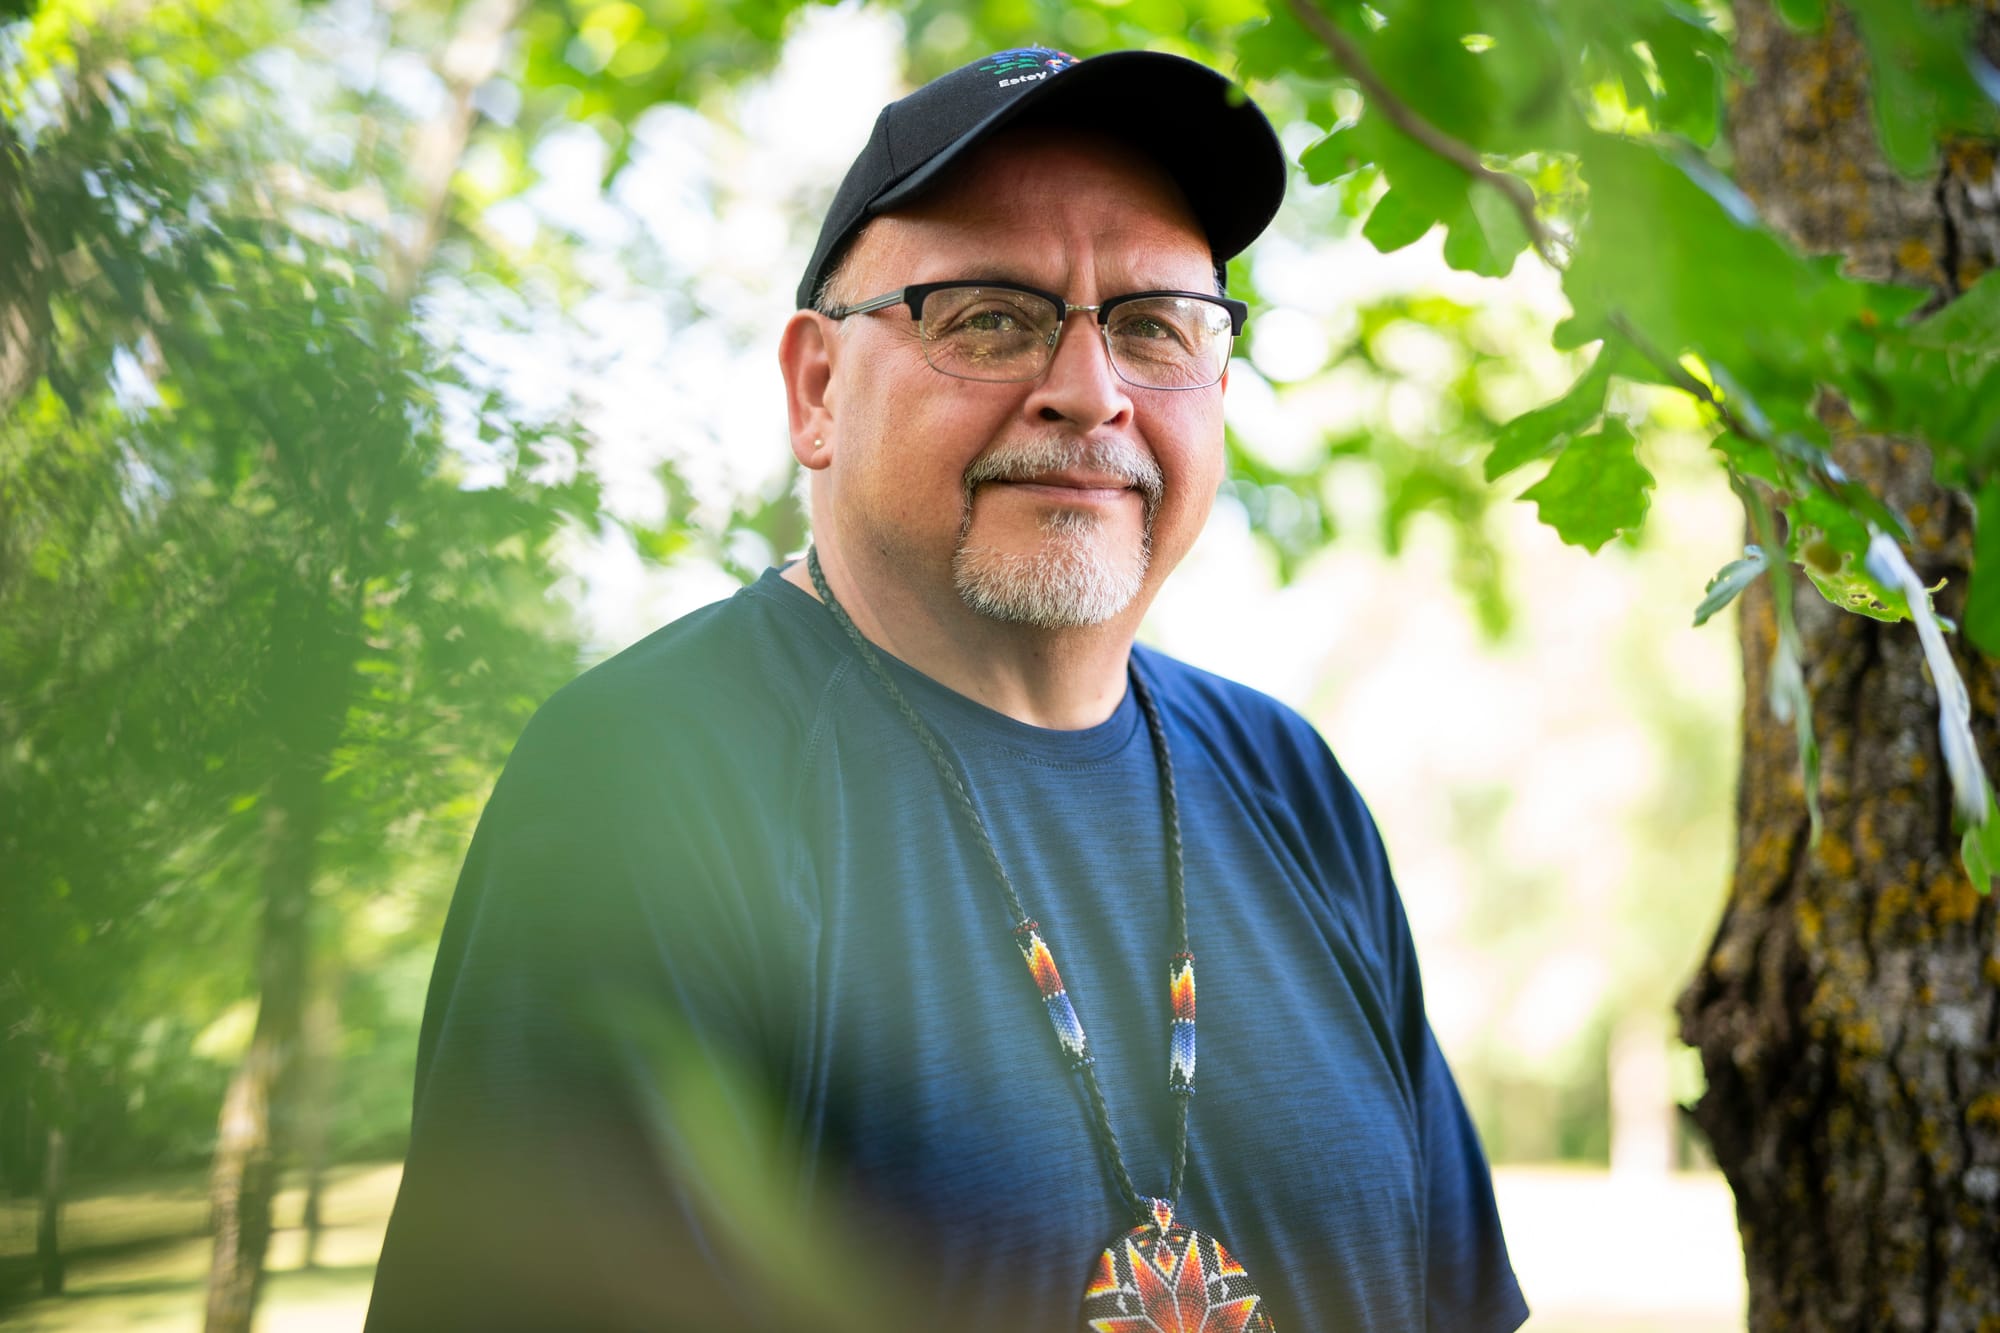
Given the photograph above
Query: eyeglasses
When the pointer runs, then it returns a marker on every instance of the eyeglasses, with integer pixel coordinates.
(1003, 332)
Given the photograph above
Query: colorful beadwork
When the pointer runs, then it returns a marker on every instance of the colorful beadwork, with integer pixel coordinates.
(1180, 1056)
(1162, 1277)
(1042, 966)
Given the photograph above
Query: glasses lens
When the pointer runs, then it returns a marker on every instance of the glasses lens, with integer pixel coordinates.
(1170, 342)
(987, 333)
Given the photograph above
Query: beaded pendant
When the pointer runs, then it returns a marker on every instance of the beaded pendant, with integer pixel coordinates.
(1163, 1277)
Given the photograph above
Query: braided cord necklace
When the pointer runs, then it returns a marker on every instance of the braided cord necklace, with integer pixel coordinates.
(1162, 1274)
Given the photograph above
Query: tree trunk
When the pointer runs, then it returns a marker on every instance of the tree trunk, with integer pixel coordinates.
(250, 1137)
(309, 675)
(48, 1225)
(316, 1084)
(1848, 1009)
(306, 693)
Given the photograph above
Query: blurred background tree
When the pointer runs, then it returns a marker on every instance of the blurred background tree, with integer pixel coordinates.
(347, 351)
(260, 636)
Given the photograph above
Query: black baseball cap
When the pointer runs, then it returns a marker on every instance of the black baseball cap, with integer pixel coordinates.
(1211, 139)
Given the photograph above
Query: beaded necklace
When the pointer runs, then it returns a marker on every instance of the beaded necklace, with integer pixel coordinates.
(1162, 1274)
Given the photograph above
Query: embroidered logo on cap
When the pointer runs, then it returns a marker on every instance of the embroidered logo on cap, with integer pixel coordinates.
(1025, 64)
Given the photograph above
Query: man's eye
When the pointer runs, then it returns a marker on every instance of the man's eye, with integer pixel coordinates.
(1144, 326)
(993, 319)
(1150, 329)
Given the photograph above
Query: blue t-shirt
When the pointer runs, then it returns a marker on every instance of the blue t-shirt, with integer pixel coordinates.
(728, 1028)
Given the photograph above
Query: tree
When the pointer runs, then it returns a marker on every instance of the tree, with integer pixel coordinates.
(1846, 1012)
(251, 566)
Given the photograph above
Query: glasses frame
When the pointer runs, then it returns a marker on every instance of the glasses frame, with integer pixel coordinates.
(915, 294)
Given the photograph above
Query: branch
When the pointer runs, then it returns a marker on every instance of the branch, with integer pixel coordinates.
(1346, 53)
(1821, 470)
(471, 58)
(1348, 56)
(1683, 380)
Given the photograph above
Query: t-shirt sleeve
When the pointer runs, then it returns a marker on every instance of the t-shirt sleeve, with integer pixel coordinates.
(1470, 1283)
(595, 1050)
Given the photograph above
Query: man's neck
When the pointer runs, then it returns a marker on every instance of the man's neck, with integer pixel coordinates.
(1064, 680)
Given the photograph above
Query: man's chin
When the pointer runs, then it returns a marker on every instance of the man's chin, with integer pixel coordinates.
(1062, 583)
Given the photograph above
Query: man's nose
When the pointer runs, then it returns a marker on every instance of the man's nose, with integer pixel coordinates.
(1081, 386)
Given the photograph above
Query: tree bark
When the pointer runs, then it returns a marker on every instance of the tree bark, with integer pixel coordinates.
(1848, 1010)
(307, 694)
(48, 1224)
(250, 1137)
(316, 1088)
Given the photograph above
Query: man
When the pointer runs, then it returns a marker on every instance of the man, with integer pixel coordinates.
(730, 1026)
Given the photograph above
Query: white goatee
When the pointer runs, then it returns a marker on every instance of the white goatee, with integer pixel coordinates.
(1080, 573)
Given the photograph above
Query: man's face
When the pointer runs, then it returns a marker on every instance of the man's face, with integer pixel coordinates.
(1056, 502)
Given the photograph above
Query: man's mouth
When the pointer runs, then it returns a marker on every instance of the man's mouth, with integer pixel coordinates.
(1084, 485)
(1094, 473)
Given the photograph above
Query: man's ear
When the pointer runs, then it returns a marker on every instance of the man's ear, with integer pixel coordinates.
(806, 354)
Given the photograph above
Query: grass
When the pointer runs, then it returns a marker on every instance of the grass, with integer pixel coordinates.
(1596, 1253)
(139, 1258)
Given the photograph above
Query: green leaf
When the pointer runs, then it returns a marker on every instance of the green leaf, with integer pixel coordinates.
(1731, 580)
(1749, 458)
(1966, 332)
(1972, 854)
(1830, 541)
(1982, 599)
(1687, 55)
(1526, 62)
(1851, 590)
(1419, 54)
(1813, 510)
(1425, 179)
(1396, 222)
(1596, 489)
(1486, 235)
(1672, 249)
(1979, 848)
(1279, 47)
(1338, 154)
(1940, 379)
(1543, 429)
(1805, 15)
(1923, 81)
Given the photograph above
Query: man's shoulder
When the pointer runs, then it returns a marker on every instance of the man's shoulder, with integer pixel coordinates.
(1226, 713)
(1261, 744)
(738, 680)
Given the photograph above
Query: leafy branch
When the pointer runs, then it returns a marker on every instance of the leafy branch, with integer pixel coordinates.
(1348, 55)
(1871, 575)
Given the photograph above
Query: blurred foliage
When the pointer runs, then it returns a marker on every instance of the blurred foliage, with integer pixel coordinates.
(235, 545)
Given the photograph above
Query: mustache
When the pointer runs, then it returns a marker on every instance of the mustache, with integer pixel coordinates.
(1024, 460)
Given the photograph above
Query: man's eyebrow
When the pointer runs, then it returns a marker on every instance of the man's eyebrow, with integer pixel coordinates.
(1117, 290)
(991, 276)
